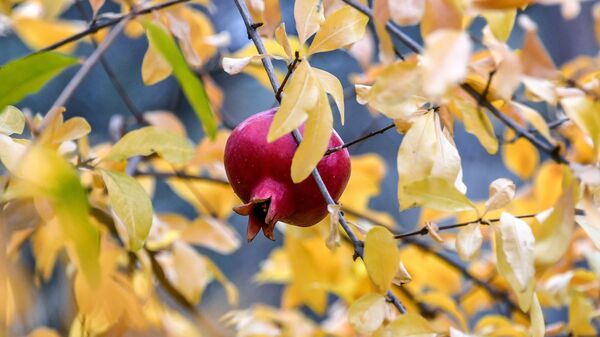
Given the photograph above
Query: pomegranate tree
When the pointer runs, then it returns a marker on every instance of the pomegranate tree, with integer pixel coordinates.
(259, 173)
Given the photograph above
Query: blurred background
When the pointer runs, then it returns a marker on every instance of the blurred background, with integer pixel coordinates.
(97, 100)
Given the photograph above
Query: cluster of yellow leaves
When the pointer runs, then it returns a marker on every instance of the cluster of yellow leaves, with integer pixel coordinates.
(66, 196)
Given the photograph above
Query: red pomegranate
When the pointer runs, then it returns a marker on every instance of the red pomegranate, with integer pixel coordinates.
(259, 173)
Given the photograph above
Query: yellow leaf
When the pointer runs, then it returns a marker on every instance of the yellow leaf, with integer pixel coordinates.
(345, 26)
(282, 38)
(501, 22)
(145, 141)
(275, 269)
(209, 198)
(43, 332)
(333, 240)
(74, 128)
(476, 121)
(581, 310)
(96, 5)
(535, 58)
(367, 313)
(538, 327)
(234, 66)
(500, 4)
(396, 92)
(441, 14)
(213, 234)
(444, 47)
(317, 133)
(368, 170)
(496, 325)
(520, 156)
(165, 120)
(308, 15)
(12, 121)
(402, 276)
(502, 192)
(409, 325)
(230, 290)
(556, 231)
(596, 14)
(40, 33)
(438, 299)
(515, 255)
(428, 152)
(591, 221)
(533, 117)
(468, 241)
(187, 270)
(47, 241)
(132, 207)
(154, 67)
(583, 110)
(407, 12)
(381, 15)
(11, 152)
(300, 96)
(381, 256)
(439, 194)
(332, 86)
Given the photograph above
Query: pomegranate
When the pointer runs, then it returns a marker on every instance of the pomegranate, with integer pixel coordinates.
(259, 173)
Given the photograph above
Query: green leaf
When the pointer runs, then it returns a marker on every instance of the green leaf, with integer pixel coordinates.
(12, 121)
(145, 141)
(27, 75)
(131, 204)
(44, 173)
(439, 194)
(191, 85)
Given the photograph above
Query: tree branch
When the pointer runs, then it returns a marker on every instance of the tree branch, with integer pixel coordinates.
(111, 22)
(83, 71)
(268, 65)
(551, 150)
(120, 89)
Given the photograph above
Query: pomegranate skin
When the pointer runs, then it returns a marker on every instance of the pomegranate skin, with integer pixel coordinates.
(259, 173)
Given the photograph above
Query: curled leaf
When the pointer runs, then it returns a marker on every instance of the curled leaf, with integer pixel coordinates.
(367, 313)
(502, 192)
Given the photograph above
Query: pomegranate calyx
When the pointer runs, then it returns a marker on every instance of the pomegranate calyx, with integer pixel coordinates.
(260, 217)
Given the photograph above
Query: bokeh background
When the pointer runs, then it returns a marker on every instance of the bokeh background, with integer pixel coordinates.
(97, 100)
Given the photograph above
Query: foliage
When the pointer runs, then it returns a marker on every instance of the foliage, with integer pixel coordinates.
(493, 267)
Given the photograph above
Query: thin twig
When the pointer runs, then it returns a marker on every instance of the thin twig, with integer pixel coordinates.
(112, 76)
(180, 175)
(547, 147)
(268, 65)
(291, 68)
(68, 91)
(360, 139)
(111, 22)
(425, 230)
